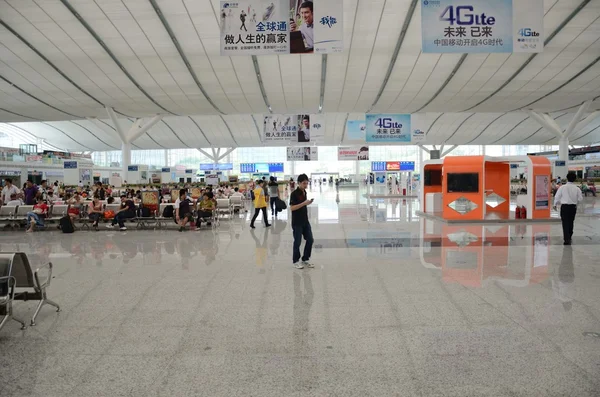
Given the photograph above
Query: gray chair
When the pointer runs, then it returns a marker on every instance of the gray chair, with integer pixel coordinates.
(21, 214)
(161, 221)
(27, 281)
(7, 294)
(58, 211)
(7, 214)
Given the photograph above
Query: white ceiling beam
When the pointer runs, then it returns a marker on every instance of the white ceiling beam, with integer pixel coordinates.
(547, 122)
(447, 152)
(229, 150)
(571, 127)
(585, 122)
(425, 149)
(210, 157)
(137, 130)
(113, 117)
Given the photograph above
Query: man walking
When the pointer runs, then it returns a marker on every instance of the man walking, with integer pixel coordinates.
(273, 195)
(260, 203)
(243, 19)
(300, 224)
(568, 196)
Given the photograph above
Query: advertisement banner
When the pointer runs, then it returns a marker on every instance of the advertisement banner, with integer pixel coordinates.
(283, 127)
(386, 128)
(262, 27)
(328, 25)
(542, 192)
(316, 133)
(302, 154)
(33, 158)
(346, 153)
(254, 27)
(355, 130)
(482, 26)
(294, 128)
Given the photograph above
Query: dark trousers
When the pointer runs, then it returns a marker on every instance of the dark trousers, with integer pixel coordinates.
(272, 202)
(299, 232)
(95, 217)
(567, 215)
(256, 211)
(121, 216)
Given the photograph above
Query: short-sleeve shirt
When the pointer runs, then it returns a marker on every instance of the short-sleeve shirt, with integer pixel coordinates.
(183, 206)
(130, 205)
(300, 216)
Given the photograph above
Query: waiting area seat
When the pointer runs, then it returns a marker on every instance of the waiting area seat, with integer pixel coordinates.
(18, 281)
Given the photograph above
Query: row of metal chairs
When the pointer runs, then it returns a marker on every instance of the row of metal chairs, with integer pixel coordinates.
(17, 215)
(18, 281)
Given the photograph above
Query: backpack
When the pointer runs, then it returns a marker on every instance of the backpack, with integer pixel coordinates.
(280, 205)
(143, 212)
(252, 195)
(66, 225)
(168, 212)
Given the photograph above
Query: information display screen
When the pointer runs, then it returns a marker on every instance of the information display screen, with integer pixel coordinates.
(463, 183)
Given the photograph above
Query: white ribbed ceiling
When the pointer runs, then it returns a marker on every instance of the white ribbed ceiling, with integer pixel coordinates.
(63, 61)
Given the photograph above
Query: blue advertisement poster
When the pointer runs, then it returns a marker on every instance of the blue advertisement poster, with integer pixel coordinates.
(355, 130)
(386, 128)
(482, 26)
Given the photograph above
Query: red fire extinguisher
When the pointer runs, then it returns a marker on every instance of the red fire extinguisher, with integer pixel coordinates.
(518, 213)
(523, 212)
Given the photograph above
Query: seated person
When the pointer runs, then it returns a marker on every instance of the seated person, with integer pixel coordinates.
(37, 216)
(14, 200)
(95, 211)
(127, 211)
(236, 193)
(592, 187)
(205, 209)
(51, 198)
(183, 210)
(74, 204)
(110, 200)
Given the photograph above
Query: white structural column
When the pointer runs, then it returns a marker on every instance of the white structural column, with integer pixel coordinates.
(357, 171)
(575, 125)
(215, 156)
(138, 129)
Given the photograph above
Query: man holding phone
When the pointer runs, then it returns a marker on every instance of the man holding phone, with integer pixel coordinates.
(300, 224)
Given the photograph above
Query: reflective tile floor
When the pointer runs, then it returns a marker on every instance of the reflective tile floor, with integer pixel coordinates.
(397, 306)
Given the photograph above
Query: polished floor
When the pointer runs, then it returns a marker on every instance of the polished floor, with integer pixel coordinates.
(397, 306)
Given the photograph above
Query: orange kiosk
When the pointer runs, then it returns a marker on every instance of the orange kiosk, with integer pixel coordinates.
(478, 187)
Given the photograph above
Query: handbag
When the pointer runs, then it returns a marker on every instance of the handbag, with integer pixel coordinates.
(109, 214)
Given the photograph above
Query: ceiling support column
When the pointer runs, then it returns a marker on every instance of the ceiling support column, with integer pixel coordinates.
(575, 125)
(138, 129)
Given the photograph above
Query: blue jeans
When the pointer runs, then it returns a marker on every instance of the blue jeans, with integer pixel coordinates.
(39, 221)
(299, 232)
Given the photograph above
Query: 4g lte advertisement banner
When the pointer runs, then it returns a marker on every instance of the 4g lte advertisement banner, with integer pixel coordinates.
(389, 128)
(260, 27)
(482, 26)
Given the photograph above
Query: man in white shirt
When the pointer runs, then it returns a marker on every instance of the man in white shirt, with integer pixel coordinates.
(14, 201)
(8, 190)
(568, 196)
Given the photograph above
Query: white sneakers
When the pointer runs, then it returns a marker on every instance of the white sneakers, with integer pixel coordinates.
(122, 228)
(110, 226)
(301, 265)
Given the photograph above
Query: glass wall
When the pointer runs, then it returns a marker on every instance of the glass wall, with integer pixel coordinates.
(328, 162)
